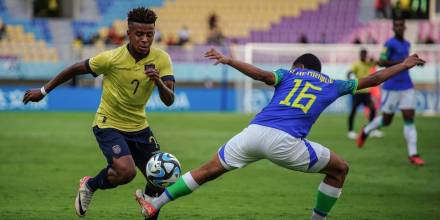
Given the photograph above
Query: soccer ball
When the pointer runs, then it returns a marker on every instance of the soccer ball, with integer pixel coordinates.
(163, 169)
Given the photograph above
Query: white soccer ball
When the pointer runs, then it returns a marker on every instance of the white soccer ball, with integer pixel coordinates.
(163, 169)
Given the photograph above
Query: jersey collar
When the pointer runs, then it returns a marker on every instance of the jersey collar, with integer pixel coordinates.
(132, 57)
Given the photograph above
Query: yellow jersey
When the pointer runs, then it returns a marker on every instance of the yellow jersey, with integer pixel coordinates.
(362, 70)
(125, 87)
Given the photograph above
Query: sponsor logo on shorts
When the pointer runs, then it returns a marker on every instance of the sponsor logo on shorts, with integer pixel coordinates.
(116, 149)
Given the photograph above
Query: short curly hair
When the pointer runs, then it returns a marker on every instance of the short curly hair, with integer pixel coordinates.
(142, 15)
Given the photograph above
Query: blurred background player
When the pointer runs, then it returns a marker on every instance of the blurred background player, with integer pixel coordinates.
(361, 69)
(130, 73)
(398, 93)
(278, 133)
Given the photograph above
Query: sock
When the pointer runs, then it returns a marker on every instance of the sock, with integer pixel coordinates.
(316, 216)
(184, 186)
(327, 196)
(373, 125)
(100, 181)
(410, 133)
(152, 191)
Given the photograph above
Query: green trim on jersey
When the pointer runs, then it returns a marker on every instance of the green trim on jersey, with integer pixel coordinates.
(356, 84)
(345, 87)
(278, 76)
(384, 54)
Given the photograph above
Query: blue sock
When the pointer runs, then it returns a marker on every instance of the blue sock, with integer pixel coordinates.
(100, 181)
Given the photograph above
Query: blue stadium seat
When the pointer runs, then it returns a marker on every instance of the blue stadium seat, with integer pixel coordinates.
(110, 10)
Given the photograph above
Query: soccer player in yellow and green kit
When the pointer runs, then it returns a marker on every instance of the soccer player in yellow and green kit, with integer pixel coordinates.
(130, 73)
(361, 69)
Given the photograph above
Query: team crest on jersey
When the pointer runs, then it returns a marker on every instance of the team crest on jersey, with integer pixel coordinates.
(116, 149)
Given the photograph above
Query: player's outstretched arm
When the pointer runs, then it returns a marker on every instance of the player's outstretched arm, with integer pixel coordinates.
(35, 95)
(382, 75)
(387, 63)
(247, 69)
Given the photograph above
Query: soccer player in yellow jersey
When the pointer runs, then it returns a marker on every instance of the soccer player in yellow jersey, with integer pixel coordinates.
(130, 73)
(361, 69)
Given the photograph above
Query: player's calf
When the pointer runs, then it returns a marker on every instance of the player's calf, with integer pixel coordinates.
(330, 189)
(122, 171)
(336, 171)
(123, 176)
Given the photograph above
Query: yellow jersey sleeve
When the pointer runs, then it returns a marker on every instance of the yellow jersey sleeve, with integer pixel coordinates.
(100, 64)
(164, 65)
(355, 69)
(371, 64)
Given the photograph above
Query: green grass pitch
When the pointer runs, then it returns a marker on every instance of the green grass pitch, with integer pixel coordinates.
(43, 155)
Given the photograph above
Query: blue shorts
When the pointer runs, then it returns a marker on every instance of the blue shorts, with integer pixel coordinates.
(141, 145)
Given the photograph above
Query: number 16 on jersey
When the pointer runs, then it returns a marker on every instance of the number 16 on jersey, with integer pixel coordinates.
(302, 95)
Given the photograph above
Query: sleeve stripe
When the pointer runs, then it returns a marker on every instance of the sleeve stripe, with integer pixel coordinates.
(90, 69)
(356, 83)
(277, 77)
(168, 78)
(384, 53)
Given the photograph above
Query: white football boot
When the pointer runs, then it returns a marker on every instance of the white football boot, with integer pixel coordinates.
(352, 135)
(83, 197)
(147, 208)
(376, 134)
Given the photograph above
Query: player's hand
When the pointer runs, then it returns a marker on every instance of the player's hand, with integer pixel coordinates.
(153, 74)
(213, 54)
(33, 95)
(412, 61)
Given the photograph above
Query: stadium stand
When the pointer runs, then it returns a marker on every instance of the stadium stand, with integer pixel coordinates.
(25, 50)
(175, 14)
(331, 20)
(379, 30)
(23, 45)
(428, 30)
(112, 12)
(237, 18)
(29, 42)
(39, 27)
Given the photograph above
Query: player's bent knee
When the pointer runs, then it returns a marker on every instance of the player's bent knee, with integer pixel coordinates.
(128, 177)
(342, 168)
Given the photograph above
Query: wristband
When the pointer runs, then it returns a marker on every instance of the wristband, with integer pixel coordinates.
(43, 91)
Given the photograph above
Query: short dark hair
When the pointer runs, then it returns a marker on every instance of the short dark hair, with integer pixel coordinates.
(142, 15)
(398, 18)
(309, 61)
